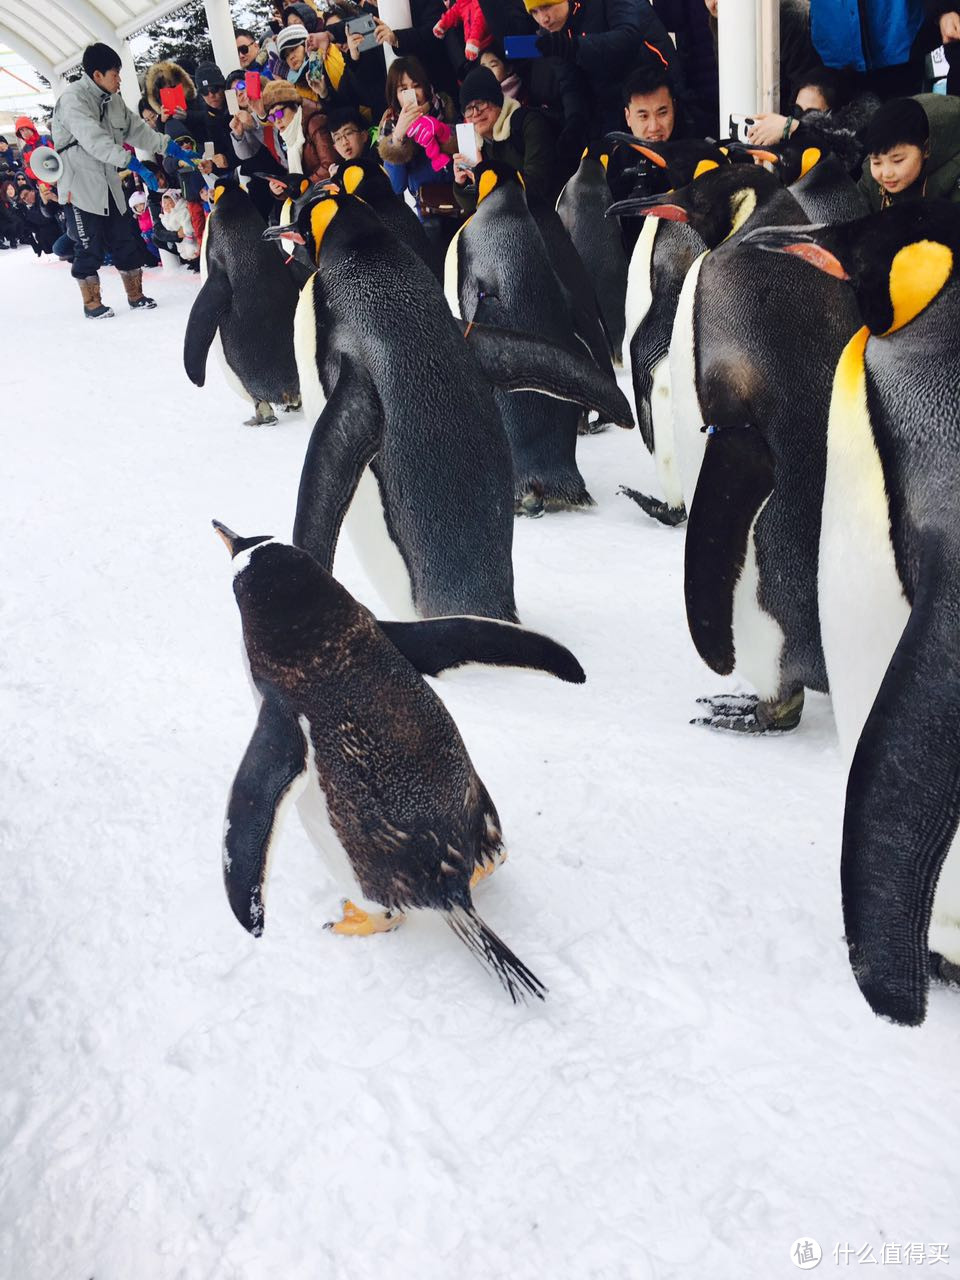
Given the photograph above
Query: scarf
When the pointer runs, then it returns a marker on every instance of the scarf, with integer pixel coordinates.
(293, 141)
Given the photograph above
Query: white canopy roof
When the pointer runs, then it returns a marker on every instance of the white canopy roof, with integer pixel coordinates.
(51, 35)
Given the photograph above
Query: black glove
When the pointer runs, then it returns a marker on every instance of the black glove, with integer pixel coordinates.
(558, 44)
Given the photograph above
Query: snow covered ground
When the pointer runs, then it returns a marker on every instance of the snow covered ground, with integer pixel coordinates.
(178, 1101)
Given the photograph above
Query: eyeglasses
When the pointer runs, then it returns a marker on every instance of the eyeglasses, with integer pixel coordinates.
(343, 134)
(278, 113)
(244, 49)
(475, 109)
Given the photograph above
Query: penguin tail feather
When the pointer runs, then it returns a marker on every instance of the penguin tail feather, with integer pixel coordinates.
(494, 954)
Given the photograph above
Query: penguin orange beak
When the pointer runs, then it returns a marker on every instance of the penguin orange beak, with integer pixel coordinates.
(649, 207)
(229, 538)
(801, 244)
(283, 233)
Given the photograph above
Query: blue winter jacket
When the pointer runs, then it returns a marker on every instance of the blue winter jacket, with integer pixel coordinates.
(884, 39)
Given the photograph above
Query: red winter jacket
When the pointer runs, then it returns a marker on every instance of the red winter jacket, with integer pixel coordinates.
(29, 144)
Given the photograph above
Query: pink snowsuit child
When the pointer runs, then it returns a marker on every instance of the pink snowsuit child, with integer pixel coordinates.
(476, 33)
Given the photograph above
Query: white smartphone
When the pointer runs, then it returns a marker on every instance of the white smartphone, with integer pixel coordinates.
(233, 105)
(407, 97)
(467, 143)
(209, 151)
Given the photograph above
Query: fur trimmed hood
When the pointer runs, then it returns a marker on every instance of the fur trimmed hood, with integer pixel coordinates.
(167, 75)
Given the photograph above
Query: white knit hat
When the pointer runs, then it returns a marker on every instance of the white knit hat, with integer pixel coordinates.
(289, 36)
(138, 197)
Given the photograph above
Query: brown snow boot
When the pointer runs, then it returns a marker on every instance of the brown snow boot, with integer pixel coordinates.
(133, 283)
(93, 308)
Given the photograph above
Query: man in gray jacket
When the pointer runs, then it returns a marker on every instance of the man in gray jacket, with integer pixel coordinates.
(90, 123)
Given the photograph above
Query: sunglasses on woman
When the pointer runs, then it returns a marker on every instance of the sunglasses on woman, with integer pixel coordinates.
(277, 114)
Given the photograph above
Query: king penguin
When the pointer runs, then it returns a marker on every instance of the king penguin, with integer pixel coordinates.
(499, 273)
(582, 206)
(246, 306)
(349, 729)
(408, 444)
(890, 592)
(750, 382)
(662, 255)
(367, 179)
(818, 180)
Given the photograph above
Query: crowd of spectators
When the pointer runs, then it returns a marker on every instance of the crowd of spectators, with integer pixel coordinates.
(537, 80)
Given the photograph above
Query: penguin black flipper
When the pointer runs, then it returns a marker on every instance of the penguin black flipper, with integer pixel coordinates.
(438, 644)
(735, 479)
(905, 761)
(346, 436)
(209, 308)
(517, 361)
(274, 763)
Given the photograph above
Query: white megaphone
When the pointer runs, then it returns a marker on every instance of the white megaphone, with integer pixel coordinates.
(46, 164)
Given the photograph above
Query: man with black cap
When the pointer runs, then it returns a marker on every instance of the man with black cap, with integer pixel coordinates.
(91, 122)
(211, 86)
(510, 135)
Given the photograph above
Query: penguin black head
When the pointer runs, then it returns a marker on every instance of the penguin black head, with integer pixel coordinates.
(682, 162)
(597, 151)
(497, 177)
(897, 261)
(326, 214)
(234, 543)
(716, 205)
(365, 178)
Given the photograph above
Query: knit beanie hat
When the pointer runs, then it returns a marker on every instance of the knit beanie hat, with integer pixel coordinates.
(209, 78)
(480, 85)
(306, 14)
(289, 36)
(279, 93)
(138, 199)
(530, 5)
(100, 57)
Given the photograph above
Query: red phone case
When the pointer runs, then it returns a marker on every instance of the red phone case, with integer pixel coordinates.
(252, 81)
(173, 99)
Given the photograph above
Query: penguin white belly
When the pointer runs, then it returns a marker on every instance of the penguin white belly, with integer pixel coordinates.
(757, 637)
(639, 281)
(451, 274)
(863, 609)
(664, 448)
(315, 817)
(305, 349)
(365, 524)
(686, 411)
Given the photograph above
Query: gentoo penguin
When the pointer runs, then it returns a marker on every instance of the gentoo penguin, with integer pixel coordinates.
(750, 383)
(498, 272)
(367, 179)
(582, 207)
(349, 728)
(661, 258)
(408, 443)
(247, 301)
(890, 592)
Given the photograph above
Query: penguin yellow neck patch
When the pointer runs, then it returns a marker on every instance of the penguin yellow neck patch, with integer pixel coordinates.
(742, 204)
(488, 181)
(351, 178)
(811, 156)
(704, 166)
(217, 193)
(917, 274)
(321, 215)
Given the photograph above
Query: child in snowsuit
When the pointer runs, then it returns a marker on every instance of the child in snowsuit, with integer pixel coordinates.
(476, 33)
(176, 217)
(141, 216)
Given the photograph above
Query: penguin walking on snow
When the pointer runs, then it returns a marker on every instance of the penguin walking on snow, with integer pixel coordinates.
(662, 256)
(582, 206)
(498, 272)
(890, 592)
(754, 344)
(348, 726)
(408, 450)
(246, 305)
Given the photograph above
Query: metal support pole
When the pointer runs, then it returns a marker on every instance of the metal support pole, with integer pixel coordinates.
(222, 35)
(749, 56)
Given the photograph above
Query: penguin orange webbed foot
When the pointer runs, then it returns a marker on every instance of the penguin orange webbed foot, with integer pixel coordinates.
(746, 713)
(356, 923)
(659, 510)
(484, 869)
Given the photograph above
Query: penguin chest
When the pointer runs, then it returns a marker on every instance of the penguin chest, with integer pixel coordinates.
(863, 608)
(367, 528)
(664, 448)
(687, 414)
(640, 279)
(308, 354)
(314, 814)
